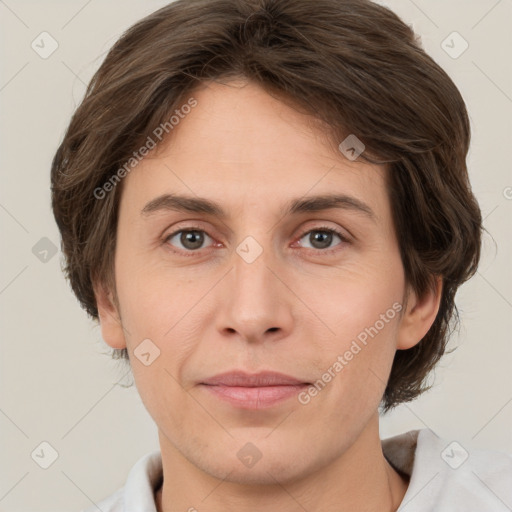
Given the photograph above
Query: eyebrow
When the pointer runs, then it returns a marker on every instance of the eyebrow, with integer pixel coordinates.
(191, 204)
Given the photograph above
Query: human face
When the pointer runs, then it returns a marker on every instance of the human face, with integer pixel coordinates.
(258, 288)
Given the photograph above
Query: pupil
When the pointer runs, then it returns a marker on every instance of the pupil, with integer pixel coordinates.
(192, 239)
(323, 238)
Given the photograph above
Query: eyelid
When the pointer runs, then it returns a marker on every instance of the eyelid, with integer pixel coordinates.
(320, 225)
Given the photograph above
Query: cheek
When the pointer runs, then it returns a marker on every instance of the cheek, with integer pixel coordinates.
(354, 365)
(353, 299)
(154, 298)
(165, 308)
(353, 335)
(155, 311)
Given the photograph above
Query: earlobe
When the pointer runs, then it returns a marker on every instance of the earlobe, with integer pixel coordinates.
(110, 320)
(419, 315)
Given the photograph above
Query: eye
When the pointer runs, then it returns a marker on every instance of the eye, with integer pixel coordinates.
(321, 238)
(191, 239)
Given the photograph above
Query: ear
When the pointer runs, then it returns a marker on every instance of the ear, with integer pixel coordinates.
(419, 315)
(110, 320)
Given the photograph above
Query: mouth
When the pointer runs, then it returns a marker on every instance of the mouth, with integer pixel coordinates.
(253, 391)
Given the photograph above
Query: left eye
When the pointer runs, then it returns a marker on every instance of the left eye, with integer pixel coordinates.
(322, 238)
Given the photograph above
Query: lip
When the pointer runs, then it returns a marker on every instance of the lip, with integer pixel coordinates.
(253, 391)
(248, 380)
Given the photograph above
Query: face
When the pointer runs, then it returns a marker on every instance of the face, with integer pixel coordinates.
(265, 277)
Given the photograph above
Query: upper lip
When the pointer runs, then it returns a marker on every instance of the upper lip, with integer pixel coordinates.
(261, 379)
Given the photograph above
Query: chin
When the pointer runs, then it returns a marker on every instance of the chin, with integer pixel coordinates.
(251, 463)
(268, 473)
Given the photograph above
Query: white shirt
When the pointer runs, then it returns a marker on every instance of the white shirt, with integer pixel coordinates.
(444, 477)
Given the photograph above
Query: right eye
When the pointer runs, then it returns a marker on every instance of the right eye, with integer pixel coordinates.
(190, 239)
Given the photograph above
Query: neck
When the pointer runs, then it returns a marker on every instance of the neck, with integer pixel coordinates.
(360, 479)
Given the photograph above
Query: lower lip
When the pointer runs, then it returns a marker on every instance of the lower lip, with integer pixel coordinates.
(255, 397)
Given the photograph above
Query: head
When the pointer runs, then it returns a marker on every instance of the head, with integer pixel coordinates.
(253, 106)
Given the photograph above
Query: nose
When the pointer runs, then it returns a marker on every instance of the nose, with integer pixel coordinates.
(256, 302)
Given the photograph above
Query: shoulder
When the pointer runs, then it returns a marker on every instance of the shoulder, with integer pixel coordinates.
(448, 475)
(138, 493)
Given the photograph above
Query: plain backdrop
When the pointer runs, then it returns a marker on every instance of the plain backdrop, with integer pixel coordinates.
(58, 384)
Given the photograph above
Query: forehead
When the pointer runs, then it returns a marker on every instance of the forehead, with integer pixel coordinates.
(240, 122)
(241, 142)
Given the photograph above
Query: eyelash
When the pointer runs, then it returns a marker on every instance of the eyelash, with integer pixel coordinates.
(323, 229)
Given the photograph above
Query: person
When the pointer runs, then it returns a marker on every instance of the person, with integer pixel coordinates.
(266, 206)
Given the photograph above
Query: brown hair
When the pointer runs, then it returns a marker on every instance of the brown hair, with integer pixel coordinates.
(353, 65)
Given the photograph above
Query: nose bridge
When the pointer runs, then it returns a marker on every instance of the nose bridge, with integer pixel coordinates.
(256, 302)
(252, 281)
(254, 253)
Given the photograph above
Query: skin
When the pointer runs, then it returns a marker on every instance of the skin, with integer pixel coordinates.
(294, 309)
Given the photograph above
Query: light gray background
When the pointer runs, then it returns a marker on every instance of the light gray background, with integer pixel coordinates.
(56, 383)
